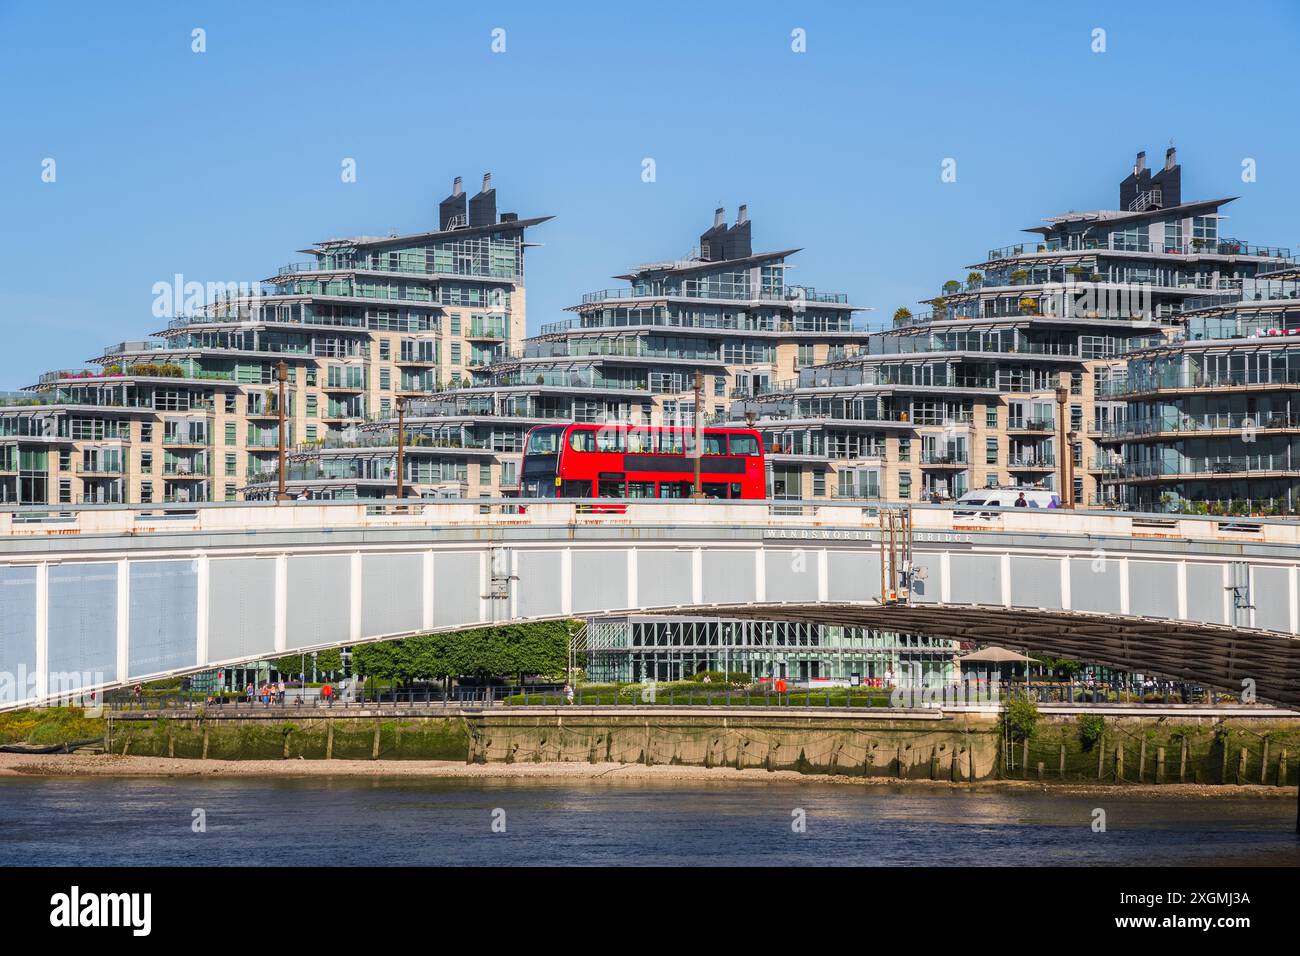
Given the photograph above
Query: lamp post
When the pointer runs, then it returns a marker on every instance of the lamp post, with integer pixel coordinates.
(1063, 449)
(282, 376)
(401, 443)
(699, 434)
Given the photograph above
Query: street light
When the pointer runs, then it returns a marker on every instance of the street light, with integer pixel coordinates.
(401, 443)
(281, 376)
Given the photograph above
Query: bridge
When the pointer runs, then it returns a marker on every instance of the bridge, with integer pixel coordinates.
(100, 597)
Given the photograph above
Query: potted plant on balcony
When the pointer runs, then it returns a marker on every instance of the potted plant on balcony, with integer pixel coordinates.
(902, 315)
(973, 279)
(951, 286)
(1019, 276)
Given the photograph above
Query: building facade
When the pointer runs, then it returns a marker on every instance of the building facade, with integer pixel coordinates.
(629, 355)
(192, 414)
(1034, 341)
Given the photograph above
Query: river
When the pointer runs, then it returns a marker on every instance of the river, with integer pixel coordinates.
(396, 821)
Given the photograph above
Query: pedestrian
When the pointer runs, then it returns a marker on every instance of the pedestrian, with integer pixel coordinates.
(1021, 502)
(568, 694)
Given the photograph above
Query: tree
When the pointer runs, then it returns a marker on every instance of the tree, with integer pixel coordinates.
(327, 661)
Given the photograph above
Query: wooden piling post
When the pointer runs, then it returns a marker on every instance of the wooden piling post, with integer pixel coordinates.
(1101, 755)
(1263, 764)
(1160, 765)
(329, 738)
(1142, 761)
(1182, 761)
(1119, 762)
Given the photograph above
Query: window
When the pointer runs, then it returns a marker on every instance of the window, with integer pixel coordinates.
(484, 473)
(905, 449)
(65, 459)
(991, 480)
(990, 418)
(311, 375)
(455, 353)
(455, 323)
(65, 491)
(230, 464)
(746, 445)
(385, 379)
(312, 406)
(805, 357)
(146, 431)
(311, 432)
(146, 492)
(904, 485)
(146, 460)
(719, 386)
(231, 428)
(819, 484)
(230, 492)
(230, 403)
(385, 349)
(990, 451)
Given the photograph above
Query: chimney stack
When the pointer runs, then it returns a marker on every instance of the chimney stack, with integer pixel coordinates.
(1140, 163)
(742, 215)
(1171, 157)
(483, 207)
(719, 217)
(451, 211)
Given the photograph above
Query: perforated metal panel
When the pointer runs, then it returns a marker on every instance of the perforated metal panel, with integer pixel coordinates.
(1035, 582)
(1270, 592)
(82, 623)
(163, 616)
(663, 577)
(599, 579)
(1205, 593)
(791, 574)
(457, 588)
(392, 593)
(17, 633)
(1095, 584)
(538, 587)
(976, 579)
(1153, 588)
(320, 600)
(729, 577)
(241, 608)
(852, 575)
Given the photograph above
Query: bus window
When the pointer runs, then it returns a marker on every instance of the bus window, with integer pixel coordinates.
(713, 490)
(609, 440)
(715, 445)
(544, 441)
(674, 489)
(582, 440)
(672, 443)
(576, 488)
(744, 445)
(640, 442)
(640, 489)
(610, 488)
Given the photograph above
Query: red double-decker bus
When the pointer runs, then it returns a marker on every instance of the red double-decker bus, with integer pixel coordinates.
(621, 461)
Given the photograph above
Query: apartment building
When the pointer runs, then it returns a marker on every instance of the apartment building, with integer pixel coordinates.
(628, 355)
(192, 413)
(976, 391)
(1211, 422)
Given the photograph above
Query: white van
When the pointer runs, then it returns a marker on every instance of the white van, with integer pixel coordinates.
(1003, 498)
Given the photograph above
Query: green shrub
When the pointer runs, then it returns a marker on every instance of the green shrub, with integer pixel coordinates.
(1020, 717)
(1091, 728)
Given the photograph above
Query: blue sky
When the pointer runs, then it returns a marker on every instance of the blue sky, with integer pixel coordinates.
(220, 165)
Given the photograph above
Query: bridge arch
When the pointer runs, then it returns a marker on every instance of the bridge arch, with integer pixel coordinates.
(129, 594)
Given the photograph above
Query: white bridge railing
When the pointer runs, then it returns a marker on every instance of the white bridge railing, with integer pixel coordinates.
(20, 523)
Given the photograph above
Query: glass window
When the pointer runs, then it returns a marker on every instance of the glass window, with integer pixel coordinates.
(715, 444)
(544, 441)
(744, 445)
(582, 440)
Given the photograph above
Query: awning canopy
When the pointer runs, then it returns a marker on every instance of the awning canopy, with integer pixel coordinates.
(995, 655)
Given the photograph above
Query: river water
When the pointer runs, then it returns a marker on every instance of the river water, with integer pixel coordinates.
(399, 821)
